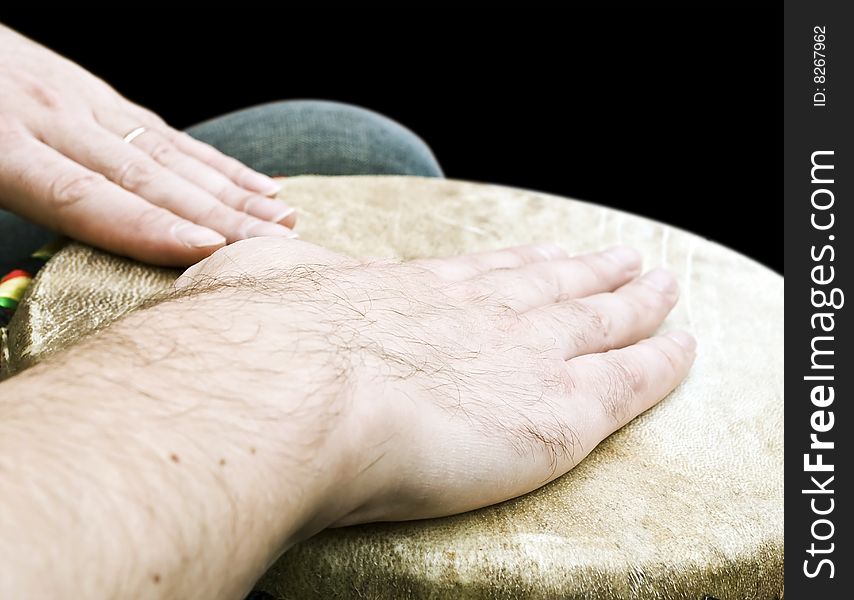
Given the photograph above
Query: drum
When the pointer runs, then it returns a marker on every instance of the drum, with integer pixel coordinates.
(685, 502)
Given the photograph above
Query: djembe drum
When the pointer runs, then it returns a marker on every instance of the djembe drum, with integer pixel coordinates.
(684, 502)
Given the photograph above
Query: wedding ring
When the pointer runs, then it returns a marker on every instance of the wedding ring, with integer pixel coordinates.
(134, 134)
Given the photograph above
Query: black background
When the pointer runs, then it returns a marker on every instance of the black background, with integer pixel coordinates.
(671, 113)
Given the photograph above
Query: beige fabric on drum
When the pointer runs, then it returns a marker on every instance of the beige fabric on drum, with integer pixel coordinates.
(686, 501)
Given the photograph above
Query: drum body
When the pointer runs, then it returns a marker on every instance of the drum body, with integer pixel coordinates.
(684, 502)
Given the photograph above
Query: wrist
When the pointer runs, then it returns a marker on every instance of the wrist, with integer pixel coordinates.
(178, 467)
(267, 402)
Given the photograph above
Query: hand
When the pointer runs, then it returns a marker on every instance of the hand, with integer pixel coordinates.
(164, 198)
(470, 380)
(285, 388)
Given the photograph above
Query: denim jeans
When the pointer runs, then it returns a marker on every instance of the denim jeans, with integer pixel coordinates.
(294, 137)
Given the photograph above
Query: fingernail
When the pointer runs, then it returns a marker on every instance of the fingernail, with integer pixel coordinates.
(258, 182)
(624, 256)
(284, 213)
(660, 279)
(262, 228)
(269, 209)
(195, 236)
(684, 339)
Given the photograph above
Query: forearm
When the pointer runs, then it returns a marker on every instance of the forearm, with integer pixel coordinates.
(138, 453)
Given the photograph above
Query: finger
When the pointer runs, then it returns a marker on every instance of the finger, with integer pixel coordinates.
(541, 283)
(605, 321)
(240, 174)
(44, 186)
(135, 171)
(466, 266)
(232, 168)
(156, 145)
(613, 388)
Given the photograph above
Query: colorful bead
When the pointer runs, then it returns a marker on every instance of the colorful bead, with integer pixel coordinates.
(15, 283)
(12, 288)
(15, 273)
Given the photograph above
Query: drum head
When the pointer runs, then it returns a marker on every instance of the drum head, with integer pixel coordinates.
(684, 502)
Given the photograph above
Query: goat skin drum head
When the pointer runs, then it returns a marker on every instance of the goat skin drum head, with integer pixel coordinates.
(684, 502)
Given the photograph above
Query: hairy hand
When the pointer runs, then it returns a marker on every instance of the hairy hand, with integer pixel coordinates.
(163, 198)
(284, 388)
(463, 381)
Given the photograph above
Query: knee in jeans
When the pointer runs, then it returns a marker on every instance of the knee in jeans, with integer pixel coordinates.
(391, 148)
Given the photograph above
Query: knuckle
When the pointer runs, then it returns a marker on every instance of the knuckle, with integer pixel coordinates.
(507, 318)
(555, 437)
(595, 267)
(67, 190)
(634, 311)
(583, 324)
(225, 190)
(136, 173)
(640, 308)
(44, 95)
(246, 225)
(635, 377)
(542, 425)
(588, 320)
(147, 220)
(164, 153)
(651, 299)
(215, 213)
(620, 381)
(549, 283)
(666, 357)
(235, 170)
(240, 201)
(12, 132)
(558, 379)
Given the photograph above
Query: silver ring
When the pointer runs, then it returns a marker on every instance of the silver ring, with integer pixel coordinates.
(134, 134)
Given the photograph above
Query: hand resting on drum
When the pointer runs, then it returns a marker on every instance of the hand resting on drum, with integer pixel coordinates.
(79, 158)
(282, 388)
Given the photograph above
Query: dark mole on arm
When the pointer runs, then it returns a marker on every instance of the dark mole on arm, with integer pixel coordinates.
(222, 462)
(156, 578)
(174, 458)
